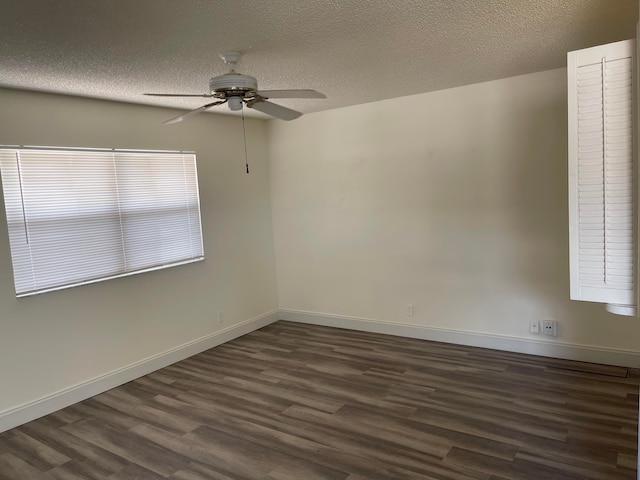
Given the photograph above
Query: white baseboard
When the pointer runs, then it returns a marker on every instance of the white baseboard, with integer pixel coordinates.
(30, 411)
(555, 349)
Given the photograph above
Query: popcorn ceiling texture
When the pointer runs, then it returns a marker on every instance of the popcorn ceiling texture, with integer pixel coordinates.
(354, 51)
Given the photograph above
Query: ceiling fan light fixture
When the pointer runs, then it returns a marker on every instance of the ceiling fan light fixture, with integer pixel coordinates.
(235, 103)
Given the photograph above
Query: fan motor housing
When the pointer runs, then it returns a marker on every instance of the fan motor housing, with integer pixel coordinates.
(233, 83)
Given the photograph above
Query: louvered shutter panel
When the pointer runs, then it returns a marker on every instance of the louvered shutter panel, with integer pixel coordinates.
(601, 173)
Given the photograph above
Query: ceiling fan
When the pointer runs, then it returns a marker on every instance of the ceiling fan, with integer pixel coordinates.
(238, 90)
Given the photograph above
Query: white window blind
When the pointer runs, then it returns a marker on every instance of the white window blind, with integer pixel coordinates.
(78, 216)
(601, 173)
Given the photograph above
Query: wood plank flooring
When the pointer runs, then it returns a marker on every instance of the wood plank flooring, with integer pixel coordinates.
(300, 402)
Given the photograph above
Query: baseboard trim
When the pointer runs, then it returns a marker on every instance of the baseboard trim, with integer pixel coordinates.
(30, 411)
(555, 349)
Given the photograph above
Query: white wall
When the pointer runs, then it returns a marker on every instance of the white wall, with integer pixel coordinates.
(51, 342)
(453, 201)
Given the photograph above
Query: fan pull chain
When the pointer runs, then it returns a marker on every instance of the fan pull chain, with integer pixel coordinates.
(244, 134)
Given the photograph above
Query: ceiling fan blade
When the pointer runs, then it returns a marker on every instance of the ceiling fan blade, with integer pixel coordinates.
(205, 95)
(278, 111)
(303, 93)
(180, 118)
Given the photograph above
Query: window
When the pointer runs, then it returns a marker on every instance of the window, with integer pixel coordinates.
(77, 216)
(601, 176)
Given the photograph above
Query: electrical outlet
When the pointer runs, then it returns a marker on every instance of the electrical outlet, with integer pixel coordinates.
(534, 326)
(410, 310)
(220, 317)
(550, 327)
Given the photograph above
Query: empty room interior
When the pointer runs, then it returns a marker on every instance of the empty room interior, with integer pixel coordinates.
(380, 288)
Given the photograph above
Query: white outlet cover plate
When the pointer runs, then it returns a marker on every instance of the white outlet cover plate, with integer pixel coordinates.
(550, 327)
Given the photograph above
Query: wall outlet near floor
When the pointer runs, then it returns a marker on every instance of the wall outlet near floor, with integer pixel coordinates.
(220, 317)
(550, 327)
(410, 311)
(534, 326)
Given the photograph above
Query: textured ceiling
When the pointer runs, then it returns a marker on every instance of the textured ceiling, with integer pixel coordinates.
(354, 51)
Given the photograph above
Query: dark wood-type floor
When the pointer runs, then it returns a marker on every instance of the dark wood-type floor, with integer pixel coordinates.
(298, 402)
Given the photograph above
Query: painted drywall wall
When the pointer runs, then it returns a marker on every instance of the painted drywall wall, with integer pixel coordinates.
(453, 201)
(53, 341)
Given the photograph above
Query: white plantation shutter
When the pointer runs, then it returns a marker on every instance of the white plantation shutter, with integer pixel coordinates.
(601, 173)
(79, 216)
